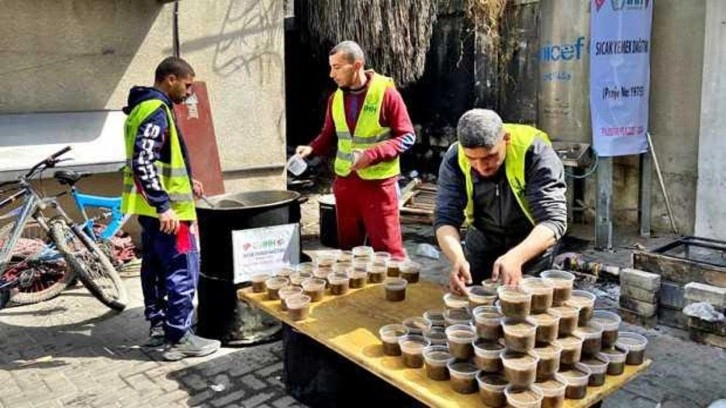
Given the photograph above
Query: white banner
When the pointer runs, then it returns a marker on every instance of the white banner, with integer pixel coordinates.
(266, 249)
(620, 75)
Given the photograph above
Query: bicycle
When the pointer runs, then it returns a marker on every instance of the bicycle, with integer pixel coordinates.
(64, 239)
(110, 214)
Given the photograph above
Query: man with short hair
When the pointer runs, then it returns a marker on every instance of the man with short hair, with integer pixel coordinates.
(507, 183)
(159, 188)
(368, 121)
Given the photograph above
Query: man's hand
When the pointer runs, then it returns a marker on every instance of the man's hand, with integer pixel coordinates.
(509, 268)
(459, 277)
(303, 151)
(360, 160)
(197, 188)
(169, 222)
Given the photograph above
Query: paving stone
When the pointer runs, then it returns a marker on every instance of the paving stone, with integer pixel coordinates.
(640, 279)
(700, 292)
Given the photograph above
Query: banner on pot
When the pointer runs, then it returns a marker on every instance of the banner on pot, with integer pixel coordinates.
(620, 75)
(264, 250)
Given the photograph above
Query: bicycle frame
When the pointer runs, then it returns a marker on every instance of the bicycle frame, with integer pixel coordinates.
(113, 204)
(31, 208)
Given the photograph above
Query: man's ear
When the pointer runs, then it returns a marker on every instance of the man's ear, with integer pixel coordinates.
(357, 65)
(507, 137)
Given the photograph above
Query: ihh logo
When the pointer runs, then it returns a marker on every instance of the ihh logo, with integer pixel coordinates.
(564, 52)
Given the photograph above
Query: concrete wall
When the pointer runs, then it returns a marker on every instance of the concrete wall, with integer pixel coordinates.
(710, 214)
(83, 55)
(675, 104)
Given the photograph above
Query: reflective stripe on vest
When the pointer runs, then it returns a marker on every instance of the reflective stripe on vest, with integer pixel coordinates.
(368, 132)
(173, 176)
(521, 138)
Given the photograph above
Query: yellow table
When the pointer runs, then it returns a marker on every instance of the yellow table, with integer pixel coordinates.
(349, 325)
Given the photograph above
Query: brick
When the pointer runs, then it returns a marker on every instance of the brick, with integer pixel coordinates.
(264, 372)
(253, 382)
(718, 328)
(256, 400)
(672, 317)
(639, 279)
(633, 318)
(700, 292)
(671, 295)
(640, 308)
(229, 398)
(285, 402)
(200, 398)
(640, 294)
(169, 397)
(708, 338)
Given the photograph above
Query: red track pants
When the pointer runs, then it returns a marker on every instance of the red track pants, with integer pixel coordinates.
(368, 206)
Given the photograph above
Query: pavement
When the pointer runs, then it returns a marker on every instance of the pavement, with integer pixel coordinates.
(72, 352)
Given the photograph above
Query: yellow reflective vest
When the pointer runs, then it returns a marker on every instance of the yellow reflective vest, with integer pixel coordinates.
(368, 132)
(521, 138)
(174, 176)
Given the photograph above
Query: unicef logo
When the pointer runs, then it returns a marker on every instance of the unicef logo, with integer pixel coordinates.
(563, 51)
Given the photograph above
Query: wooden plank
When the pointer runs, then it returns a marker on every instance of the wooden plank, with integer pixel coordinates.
(679, 270)
(349, 325)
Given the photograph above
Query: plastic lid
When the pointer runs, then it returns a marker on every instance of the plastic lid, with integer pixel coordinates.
(416, 324)
(494, 382)
(578, 375)
(516, 325)
(557, 275)
(460, 333)
(566, 311)
(519, 397)
(313, 284)
(608, 320)
(260, 277)
(481, 293)
(435, 316)
(546, 319)
(455, 302)
(612, 355)
(553, 387)
(392, 332)
(596, 365)
(538, 285)
(488, 348)
(569, 342)
(462, 369)
(514, 359)
(338, 278)
(457, 316)
(631, 341)
(297, 301)
(289, 291)
(413, 343)
(590, 331)
(277, 283)
(437, 354)
(395, 283)
(548, 351)
(410, 267)
(514, 293)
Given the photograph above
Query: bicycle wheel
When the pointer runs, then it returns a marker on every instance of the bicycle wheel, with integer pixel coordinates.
(90, 264)
(40, 272)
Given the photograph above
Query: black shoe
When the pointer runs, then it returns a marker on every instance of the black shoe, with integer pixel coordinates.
(191, 346)
(156, 337)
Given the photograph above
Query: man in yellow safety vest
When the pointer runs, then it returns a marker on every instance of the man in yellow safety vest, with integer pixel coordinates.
(158, 187)
(507, 184)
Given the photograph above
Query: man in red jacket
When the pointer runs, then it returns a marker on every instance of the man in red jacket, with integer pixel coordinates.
(368, 121)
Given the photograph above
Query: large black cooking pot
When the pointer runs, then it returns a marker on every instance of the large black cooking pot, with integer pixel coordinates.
(220, 315)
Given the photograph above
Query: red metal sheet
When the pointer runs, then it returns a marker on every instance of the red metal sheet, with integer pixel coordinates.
(194, 118)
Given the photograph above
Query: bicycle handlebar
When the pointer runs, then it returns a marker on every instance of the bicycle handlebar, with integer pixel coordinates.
(50, 161)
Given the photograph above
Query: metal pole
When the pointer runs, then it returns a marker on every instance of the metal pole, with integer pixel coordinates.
(175, 29)
(604, 205)
(662, 184)
(644, 193)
